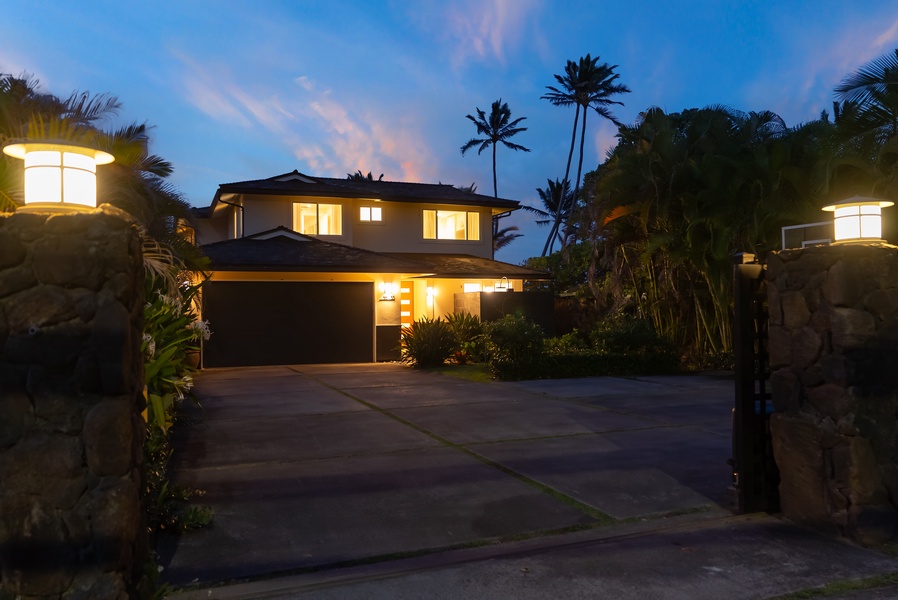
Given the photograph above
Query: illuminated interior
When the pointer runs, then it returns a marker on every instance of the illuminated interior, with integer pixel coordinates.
(317, 219)
(451, 225)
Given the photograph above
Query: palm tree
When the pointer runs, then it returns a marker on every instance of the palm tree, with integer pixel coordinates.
(555, 197)
(498, 128)
(359, 176)
(503, 237)
(586, 85)
(874, 91)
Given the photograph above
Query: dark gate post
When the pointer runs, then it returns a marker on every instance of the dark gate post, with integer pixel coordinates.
(754, 471)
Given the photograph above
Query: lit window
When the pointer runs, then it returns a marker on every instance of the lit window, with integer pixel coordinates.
(317, 219)
(370, 213)
(472, 287)
(451, 225)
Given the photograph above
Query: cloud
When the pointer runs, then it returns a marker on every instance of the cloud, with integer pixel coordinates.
(486, 30)
(321, 130)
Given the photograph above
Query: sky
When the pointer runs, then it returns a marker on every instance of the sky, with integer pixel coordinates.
(241, 90)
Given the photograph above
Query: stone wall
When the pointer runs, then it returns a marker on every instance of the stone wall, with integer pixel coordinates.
(833, 343)
(71, 382)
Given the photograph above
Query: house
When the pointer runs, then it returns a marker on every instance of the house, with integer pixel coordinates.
(316, 270)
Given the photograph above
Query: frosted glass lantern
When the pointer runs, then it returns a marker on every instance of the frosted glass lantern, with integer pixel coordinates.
(858, 220)
(59, 176)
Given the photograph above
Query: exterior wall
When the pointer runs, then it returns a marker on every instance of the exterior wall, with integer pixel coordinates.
(833, 341)
(71, 392)
(401, 229)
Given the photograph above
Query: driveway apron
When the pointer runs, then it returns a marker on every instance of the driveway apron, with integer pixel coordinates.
(317, 466)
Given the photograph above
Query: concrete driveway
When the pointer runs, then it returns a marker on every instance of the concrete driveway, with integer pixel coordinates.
(311, 467)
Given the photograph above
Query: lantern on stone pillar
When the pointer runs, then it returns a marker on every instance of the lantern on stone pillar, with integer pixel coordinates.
(858, 220)
(59, 177)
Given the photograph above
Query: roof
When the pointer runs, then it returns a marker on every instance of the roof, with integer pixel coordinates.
(298, 184)
(465, 265)
(282, 249)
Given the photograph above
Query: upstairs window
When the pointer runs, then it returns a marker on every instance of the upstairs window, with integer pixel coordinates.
(370, 213)
(451, 225)
(317, 219)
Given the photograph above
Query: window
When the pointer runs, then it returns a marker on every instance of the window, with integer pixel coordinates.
(451, 225)
(370, 213)
(317, 219)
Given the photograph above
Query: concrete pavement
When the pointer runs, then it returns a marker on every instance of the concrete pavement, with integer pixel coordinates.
(376, 480)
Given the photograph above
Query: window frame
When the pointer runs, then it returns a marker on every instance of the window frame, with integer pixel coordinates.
(430, 221)
(338, 218)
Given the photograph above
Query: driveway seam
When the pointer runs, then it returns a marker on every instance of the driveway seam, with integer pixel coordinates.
(592, 512)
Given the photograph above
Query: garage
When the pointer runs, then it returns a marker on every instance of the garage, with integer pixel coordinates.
(279, 323)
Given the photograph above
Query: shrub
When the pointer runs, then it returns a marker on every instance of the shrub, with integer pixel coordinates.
(514, 347)
(468, 331)
(633, 347)
(428, 343)
(568, 342)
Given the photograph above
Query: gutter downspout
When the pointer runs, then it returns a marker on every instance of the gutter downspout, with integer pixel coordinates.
(242, 213)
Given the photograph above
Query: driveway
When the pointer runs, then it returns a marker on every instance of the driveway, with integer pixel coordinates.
(311, 467)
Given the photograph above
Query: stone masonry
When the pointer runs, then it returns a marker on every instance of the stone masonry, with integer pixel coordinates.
(71, 381)
(833, 341)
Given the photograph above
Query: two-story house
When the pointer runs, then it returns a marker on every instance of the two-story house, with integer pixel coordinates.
(315, 270)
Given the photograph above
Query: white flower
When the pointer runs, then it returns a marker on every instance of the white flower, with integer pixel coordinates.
(151, 345)
(201, 328)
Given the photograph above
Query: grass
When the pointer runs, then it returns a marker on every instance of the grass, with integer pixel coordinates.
(842, 587)
(479, 372)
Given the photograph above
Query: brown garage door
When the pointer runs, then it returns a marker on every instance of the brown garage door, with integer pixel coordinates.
(281, 323)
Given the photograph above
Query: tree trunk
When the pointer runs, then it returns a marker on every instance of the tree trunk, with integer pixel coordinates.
(553, 231)
(495, 186)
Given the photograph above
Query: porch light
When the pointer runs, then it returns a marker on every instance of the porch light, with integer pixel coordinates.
(431, 294)
(59, 176)
(502, 285)
(858, 220)
(387, 292)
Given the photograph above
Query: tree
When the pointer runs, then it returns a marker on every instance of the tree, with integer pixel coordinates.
(503, 237)
(585, 85)
(555, 197)
(497, 129)
(358, 176)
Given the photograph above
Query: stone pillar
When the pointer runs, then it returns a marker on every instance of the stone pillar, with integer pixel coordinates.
(71, 382)
(834, 377)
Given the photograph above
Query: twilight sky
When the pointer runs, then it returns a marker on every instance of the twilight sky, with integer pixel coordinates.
(239, 90)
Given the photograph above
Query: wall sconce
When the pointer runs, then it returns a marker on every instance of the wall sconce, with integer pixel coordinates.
(387, 292)
(858, 220)
(502, 285)
(59, 176)
(431, 294)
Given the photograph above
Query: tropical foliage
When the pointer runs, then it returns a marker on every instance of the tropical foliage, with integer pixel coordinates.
(662, 216)
(585, 84)
(496, 129)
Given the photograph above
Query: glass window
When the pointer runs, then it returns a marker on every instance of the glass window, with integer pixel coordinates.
(451, 225)
(317, 219)
(430, 224)
(473, 226)
(370, 213)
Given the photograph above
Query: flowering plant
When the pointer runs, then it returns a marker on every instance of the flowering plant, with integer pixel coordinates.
(171, 331)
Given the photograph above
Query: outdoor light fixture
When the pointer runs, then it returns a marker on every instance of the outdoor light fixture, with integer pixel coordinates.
(858, 220)
(387, 292)
(59, 176)
(502, 285)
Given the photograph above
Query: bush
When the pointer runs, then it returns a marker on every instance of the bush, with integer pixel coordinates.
(514, 347)
(428, 343)
(469, 346)
(634, 348)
